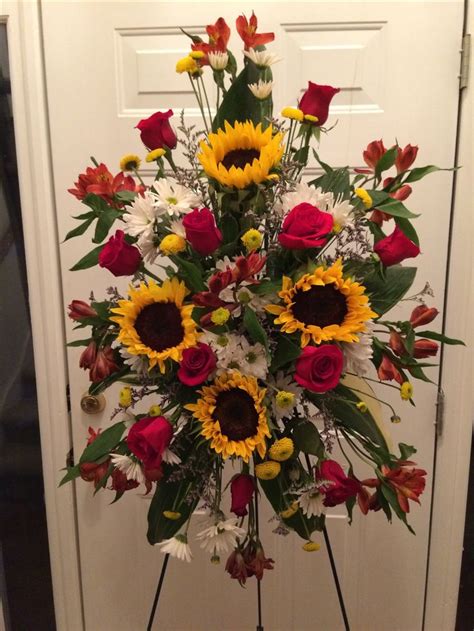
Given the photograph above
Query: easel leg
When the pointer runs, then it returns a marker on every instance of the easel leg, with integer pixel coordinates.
(158, 592)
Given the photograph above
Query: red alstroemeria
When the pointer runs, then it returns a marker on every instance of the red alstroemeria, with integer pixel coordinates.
(425, 348)
(104, 365)
(236, 567)
(100, 181)
(405, 157)
(388, 371)
(78, 309)
(423, 315)
(219, 35)
(372, 154)
(88, 356)
(407, 481)
(378, 216)
(396, 343)
(120, 483)
(247, 29)
(92, 435)
(246, 267)
(255, 560)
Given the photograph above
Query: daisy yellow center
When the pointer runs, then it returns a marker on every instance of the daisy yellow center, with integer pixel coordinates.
(320, 306)
(159, 326)
(236, 413)
(238, 158)
(172, 200)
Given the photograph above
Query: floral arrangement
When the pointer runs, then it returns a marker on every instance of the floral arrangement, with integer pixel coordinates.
(256, 312)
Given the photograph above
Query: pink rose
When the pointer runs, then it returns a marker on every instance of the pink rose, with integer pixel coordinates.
(305, 226)
(242, 489)
(201, 231)
(319, 368)
(119, 257)
(339, 488)
(196, 365)
(148, 438)
(315, 101)
(156, 131)
(396, 248)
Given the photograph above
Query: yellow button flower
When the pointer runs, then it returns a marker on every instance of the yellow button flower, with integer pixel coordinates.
(252, 239)
(365, 198)
(220, 316)
(187, 64)
(129, 162)
(171, 514)
(281, 449)
(311, 546)
(172, 244)
(125, 397)
(267, 470)
(293, 113)
(290, 511)
(362, 406)
(155, 155)
(310, 118)
(197, 54)
(155, 410)
(406, 390)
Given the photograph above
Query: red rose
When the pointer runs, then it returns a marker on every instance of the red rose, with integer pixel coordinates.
(201, 231)
(119, 257)
(319, 368)
(79, 309)
(242, 488)
(315, 101)
(148, 438)
(425, 348)
(423, 315)
(339, 488)
(405, 157)
(396, 248)
(305, 226)
(196, 365)
(156, 131)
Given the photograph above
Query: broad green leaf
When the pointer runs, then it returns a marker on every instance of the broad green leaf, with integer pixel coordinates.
(378, 197)
(89, 260)
(386, 161)
(254, 328)
(190, 273)
(169, 496)
(266, 287)
(420, 172)
(325, 166)
(230, 228)
(104, 223)
(307, 439)
(406, 451)
(105, 442)
(80, 229)
(286, 352)
(72, 474)
(396, 209)
(85, 342)
(337, 182)
(439, 337)
(97, 203)
(126, 196)
(407, 228)
(385, 294)
(391, 498)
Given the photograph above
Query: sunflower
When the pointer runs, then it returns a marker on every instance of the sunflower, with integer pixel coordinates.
(232, 415)
(154, 322)
(241, 155)
(323, 306)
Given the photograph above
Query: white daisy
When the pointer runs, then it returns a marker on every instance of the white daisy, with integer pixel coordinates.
(141, 215)
(261, 90)
(170, 457)
(282, 403)
(220, 537)
(342, 212)
(172, 198)
(218, 60)
(311, 502)
(149, 247)
(258, 303)
(261, 58)
(254, 360)
(138, 363)
(176, 227)
(303, 194)
(357, 355)
(176, 547)
(129, 467)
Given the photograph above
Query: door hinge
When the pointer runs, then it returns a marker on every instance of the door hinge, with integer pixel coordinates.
(440, 401)
(465, 61)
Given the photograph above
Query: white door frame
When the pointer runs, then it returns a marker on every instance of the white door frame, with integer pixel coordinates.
(44, 280)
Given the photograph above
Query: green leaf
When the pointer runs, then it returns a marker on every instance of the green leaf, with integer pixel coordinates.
(385, 294)
(386, 161)
(230, 228)
(350, 503)
(105, 442)
(84, 215)
(104, 223)
(80, 342)
(396, 209)
(407, 228)
(378, 197)
(72, 474)
(325, 166)
(307, 439)
(125, 196)
(97, 203)
(165, 498)
(254, 328)
(89, 260)
(80, 229)
(190, 273)
(266, 287)
(439, 337)
(231, 67)
(391, 498)
(406, 451)
(286, 352)
(420, 172)
(337, 182)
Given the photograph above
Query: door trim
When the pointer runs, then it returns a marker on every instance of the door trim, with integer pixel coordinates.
(44, 279)
(46, 303)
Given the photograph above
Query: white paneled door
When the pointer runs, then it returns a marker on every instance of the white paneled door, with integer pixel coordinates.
(109, 64)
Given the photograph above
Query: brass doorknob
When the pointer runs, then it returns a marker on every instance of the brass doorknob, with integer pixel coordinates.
(92, 403)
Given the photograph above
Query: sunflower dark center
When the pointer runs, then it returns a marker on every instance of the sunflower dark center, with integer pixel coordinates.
(236, 413)
(159, 326)
(238, 158)
(321, 306)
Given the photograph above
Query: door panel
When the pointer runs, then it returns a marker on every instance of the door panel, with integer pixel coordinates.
(109, 64)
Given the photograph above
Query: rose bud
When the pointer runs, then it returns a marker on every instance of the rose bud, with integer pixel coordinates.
(119, 257)
(156, 131)
(316, 100)
(423, 315)
(79, 309)
(395, 248)
(405, 158)
(148, 438)
(388, 371)
(104, 365)
(396, 343)
(375, 150)
(319, 368)
(340, 487)
(196, 365)
(242, 488)
(425, 348)
(88, 356)
(305, 226)
(201, 231)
